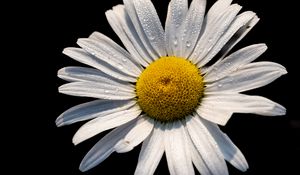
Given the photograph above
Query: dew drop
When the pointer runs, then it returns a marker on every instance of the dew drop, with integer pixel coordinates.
(124, 60)
(188, 44)
(220, 85)
(120, 66)
(106, 91)
(151, 37)
(175, 41)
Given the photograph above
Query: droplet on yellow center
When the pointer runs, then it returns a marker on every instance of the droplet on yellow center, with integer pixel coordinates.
(169, 89)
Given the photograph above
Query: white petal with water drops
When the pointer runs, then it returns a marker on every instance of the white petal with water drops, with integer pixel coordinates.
(110, 53)
(231, 152)
(214, 29)
(206, 146)
(250, 76)
(195, 156)
(238, 23)
(127, 59)
(241, 103)
(132, 12)
(151, 152)
(83, 74)
(208, 110)
(93, 109)
(151, 25)
(235, 61)
(217, 7)
(191, 28)
(176, 14)
(105, 147)
(123, 27)
(89, 59)
(239, 35)
(178, 156)
(101, 124)
(136, 135)
(96, 90)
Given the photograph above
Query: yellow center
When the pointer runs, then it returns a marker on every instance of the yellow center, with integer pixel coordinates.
(169, 89)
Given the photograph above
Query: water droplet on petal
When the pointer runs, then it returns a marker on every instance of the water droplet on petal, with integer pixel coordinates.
(188, 44)
(120, 66)
(175, 41)
(124, 60)
(220, 85)
(151, 38)
(106, 91)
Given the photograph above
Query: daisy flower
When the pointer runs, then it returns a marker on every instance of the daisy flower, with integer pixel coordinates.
(164, 90)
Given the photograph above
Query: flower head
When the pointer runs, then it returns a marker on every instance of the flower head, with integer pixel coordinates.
(161, 91)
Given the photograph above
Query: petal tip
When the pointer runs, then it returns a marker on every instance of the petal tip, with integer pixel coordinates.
(283, 111)
(66, 50)
(264, 46)
(61, 72)
(284, 71)
(83, 167)
(59, 122)
(75, 141)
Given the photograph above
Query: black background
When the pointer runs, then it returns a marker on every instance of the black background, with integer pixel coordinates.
(35, 37)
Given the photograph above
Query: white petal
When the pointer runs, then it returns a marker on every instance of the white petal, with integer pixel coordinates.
(208, 110)
(104, 147)
(214, 29)
(151, 152)
(100, 124)
(86, 58)
(239, 35)
(177, 153)
(250, 76)
(151, 25)
(191, 27)
(218, 6)
(235, 61)
(123, 27)
(127, 58)
(132, 12)
(93, 109)
(84, 74)
(97, 90)
(206, 145)
(197, 159)
(240, 22)
(176, 14)
(231, 152)
(105, 49)
(136, 135)
(241, 103)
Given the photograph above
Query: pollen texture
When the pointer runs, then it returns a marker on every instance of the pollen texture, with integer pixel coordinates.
(169, 89)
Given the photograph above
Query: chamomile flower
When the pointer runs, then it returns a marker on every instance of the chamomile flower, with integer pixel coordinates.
(162, 92)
